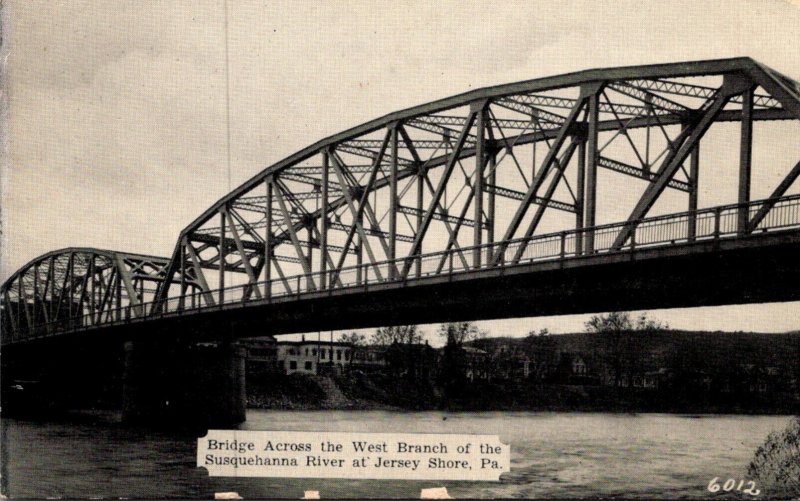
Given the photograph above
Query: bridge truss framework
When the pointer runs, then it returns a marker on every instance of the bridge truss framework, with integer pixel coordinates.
(491, 178)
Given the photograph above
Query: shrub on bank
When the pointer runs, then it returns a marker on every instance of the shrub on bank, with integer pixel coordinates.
(280, 391)
(776, 465)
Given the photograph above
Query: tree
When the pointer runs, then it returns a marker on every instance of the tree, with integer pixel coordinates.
(353, 338)
(458, 333)
(776, 464)
(454, 359)
(541, 349)
(400, 334)
(644, 323)
(616, 331)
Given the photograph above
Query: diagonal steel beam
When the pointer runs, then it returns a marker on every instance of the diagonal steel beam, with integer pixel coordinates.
(773, 198)
(198, 269)
(278, 193)
(251, 275)
(732, 85)
(443, 216)
(357, 213)
(376, 162)
(326, 256)
(22, 299)
(453, 240)
(66, 284)
(107, 295)
(14, 324)
(277, 265)
(562, 167)
(783, 89)
(544, 170)
(426, 221)
(127, 280)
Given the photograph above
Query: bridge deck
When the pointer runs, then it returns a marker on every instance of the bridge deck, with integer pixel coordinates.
(692, 242)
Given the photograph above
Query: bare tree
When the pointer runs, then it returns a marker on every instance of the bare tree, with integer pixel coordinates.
(458, 333)
(617, 330)
(400, 334)
(353, 338)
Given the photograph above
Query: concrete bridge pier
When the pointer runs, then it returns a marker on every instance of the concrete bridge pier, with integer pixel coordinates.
(194, 385)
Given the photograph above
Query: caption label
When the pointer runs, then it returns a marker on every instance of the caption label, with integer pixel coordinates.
(419, 456)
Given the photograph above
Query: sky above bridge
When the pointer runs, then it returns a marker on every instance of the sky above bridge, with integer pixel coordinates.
(117, 132)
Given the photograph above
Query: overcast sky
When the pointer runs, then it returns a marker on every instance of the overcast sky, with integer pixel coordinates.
(117, 109)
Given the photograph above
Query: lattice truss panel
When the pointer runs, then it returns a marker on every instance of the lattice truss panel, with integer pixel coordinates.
(558, 167)
(490, 167)
(74, 288)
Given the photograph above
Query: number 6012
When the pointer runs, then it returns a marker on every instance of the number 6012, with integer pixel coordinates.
(730, 484)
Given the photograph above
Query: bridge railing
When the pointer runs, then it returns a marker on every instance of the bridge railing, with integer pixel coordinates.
(723, 222)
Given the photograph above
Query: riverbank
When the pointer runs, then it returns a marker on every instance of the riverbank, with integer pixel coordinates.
(384, 392)
(305, 392)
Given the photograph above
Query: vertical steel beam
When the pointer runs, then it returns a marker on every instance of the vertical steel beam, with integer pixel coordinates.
(21, 299)
(69, 283)
(448, 171)
(420, 202)
(310, 246)
(393, 203)
(358, 224)
(49, 285)
(579, 197)
(745, 160)
(182, 294)
(268, 241)
(492, 205)
(35, 291)
(420, 188)
(359, 249)
(586, 91)
(590, 186)
(679, 150)
(694, 173)
(323, 222)
(221, 260)
(118, 291)
(93, 288)
(331, 265)
(480, 147)
(83, 294)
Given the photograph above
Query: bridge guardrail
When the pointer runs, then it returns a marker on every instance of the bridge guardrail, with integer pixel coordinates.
(685, 227)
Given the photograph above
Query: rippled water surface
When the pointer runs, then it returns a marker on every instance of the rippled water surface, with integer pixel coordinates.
(552, 455)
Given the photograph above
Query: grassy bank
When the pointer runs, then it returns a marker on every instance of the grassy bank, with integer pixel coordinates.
(382, 391)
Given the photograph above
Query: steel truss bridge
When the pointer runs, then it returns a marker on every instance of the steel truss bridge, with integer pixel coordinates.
(475, 194)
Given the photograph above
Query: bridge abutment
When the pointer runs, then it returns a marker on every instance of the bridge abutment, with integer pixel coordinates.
(178, 384)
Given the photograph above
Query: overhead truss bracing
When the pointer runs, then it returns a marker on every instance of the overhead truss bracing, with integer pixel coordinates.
(78, 287)
(487, 167)
(485, 179)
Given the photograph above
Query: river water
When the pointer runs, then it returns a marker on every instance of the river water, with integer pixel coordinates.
(552, 455)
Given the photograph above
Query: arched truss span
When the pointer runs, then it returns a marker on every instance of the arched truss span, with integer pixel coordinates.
(78, 288)
(471, 175)
(468, 176)
(555, 168)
